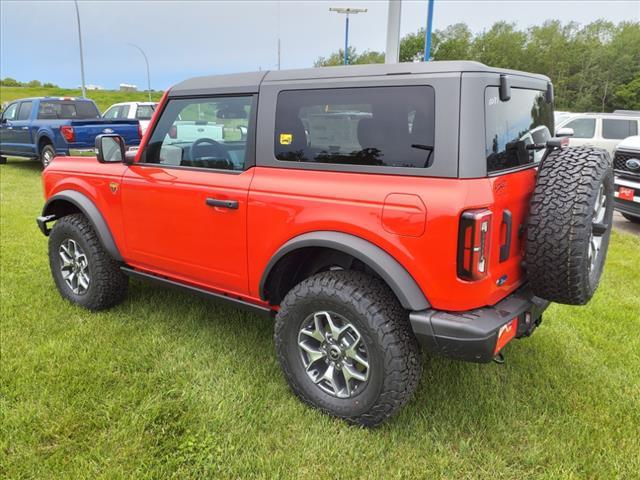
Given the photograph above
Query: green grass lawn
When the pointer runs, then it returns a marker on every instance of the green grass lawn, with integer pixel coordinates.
(103, 98)
(168, 385)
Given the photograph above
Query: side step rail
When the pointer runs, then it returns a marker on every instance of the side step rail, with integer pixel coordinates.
(199, 291)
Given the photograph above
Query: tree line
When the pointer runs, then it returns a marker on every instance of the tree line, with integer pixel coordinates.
(594, 67)
(12, 82)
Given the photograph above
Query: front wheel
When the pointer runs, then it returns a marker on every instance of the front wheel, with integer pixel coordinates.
(82, 269)
(345, 346)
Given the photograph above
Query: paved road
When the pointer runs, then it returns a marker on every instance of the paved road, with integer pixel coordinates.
(625, 225)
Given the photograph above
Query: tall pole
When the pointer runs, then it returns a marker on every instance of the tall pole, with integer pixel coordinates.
(146, 60)
(84, 90)
(392, 53)
(427, 34)
(346, 40)
(347, 12)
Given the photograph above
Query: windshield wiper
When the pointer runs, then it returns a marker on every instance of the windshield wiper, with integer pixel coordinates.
(422, 147)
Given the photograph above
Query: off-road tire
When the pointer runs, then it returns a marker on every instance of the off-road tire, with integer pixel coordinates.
(631, 218)
(384, 325)
(3, 160)
(108, 285)
(47, 154)
(560, 224)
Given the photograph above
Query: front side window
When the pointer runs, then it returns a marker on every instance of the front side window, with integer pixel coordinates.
(618, 129)
(67, 110)
(376, 126)
(582, 127)
(11, 112)
(202, 133)
(144, 112)
(25, 111)
(514, 128)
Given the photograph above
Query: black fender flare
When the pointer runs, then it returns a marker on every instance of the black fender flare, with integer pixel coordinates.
(88, 208)
(388, 268)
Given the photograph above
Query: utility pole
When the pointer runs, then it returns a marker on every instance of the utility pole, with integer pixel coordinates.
(427, 33)
(392, 53)
(146, 60)
(84, 90)
(347, 11)
(279, 35)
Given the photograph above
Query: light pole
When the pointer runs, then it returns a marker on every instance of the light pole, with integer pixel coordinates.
(427, 33)
(146, 60)
(84, 91)
(347, 11)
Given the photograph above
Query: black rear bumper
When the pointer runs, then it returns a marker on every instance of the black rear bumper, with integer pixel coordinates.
(473, 335)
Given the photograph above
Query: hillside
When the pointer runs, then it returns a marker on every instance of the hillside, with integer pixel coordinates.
(103, 98)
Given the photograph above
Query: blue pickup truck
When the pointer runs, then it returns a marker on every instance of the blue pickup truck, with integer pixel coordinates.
(46, 127)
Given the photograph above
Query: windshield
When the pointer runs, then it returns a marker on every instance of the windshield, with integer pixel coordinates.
(525, 119)
(67, 110)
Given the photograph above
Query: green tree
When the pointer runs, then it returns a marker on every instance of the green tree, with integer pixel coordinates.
(34, 84)
(10, 82)
(627, 97)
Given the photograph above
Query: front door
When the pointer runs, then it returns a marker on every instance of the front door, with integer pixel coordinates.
(8, 139)
(185, 201)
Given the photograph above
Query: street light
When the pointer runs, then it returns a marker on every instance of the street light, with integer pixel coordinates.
(84, 91)
(147, 62)
(347, 11)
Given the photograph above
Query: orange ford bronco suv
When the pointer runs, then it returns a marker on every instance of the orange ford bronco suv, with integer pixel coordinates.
(371, 209)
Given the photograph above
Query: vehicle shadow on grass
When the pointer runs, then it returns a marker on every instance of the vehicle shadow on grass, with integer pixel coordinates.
(452, 397)
(22, 164)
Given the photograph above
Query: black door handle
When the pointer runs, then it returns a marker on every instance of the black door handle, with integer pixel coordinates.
(214, 202)
(506, 247)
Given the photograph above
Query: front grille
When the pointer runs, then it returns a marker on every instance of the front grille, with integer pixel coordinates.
(620, 162)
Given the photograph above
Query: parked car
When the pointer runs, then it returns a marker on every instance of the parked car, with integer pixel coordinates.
(626, 164)
(46, 127)
(141, 111)
(561, 116)
(402, 221)
(603, 130)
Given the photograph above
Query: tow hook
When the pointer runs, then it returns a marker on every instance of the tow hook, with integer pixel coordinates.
(499, 358)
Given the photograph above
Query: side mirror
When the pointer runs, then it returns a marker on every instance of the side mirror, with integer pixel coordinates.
(505, 88)
(564, 132)
(110, 148)
(3, 121)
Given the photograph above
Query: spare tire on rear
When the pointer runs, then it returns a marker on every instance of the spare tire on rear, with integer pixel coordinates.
(569, 224)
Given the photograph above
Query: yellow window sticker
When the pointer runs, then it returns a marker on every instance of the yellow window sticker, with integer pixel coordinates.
(286, 138)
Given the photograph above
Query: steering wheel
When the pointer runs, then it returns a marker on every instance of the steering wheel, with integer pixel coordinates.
(219, 151)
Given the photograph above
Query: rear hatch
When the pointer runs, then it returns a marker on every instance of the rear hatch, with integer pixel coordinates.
(491, 242)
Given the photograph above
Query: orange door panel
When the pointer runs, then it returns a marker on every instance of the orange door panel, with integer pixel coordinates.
(189, 224)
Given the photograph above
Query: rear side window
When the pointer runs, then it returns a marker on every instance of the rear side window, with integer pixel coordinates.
(144, 112)
(582, 127)
(25, 111)
(67, 110)
(376, 126)
(514, 125)
(618, 129)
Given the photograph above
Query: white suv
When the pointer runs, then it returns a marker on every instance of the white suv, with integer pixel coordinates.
(141, 111)
(626, 165)
(603, 130)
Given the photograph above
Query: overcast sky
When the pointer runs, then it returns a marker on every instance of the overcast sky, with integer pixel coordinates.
(188, 38)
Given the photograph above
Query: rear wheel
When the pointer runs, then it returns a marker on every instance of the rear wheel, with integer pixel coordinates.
(3, 160)
(345, 346)
(569, 224)
(46, 155)
(83, 271)
(631, 218)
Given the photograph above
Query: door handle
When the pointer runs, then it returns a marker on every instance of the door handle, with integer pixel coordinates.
(214, 202)
(505, 248)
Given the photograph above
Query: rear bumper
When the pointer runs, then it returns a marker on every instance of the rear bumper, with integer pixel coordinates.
(473, 335)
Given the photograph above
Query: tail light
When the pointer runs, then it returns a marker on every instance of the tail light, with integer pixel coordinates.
(173, 132)
(68, 133)
(474, 244)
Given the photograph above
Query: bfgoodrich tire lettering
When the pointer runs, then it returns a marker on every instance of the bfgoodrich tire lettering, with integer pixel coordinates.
(107, 285)
(571, 211)
(392, 350)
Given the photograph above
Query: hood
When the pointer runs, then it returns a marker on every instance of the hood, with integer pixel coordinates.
(630, 143)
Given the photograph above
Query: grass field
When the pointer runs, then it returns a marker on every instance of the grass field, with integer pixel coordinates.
(168, 385)
(103, 98)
